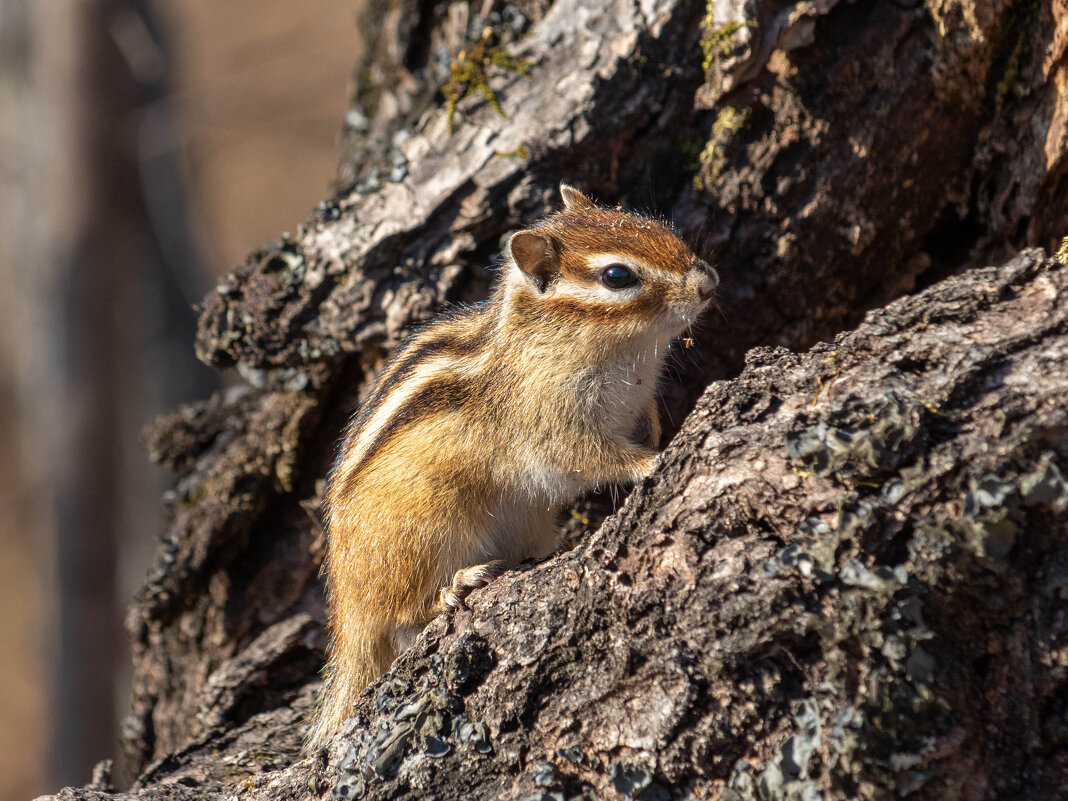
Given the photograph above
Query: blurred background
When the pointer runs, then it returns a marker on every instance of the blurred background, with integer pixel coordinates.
(145, 148)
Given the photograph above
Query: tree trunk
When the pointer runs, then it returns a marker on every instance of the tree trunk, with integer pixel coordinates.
(847, 577)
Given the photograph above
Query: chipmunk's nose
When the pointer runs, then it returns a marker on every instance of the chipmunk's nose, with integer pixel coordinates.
(709, 280)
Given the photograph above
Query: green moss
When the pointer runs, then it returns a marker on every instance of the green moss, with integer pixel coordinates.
(690, 144)
(1010, 73)
(579, 516)
(520, 152)
(1019, 28)
(717, 41)
(1062, 255)
(470, 73)
(711, 161)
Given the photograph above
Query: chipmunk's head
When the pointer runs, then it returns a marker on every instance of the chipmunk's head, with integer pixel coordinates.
(607, 269)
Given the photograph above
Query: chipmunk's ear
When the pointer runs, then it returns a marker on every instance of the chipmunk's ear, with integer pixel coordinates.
(535, 254)
(574, 199)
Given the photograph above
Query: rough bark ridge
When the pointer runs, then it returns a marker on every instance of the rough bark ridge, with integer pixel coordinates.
(847, 589)
(833, 156)
(848, 578)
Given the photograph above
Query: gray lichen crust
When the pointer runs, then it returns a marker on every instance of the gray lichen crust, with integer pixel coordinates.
(867, 555)
(808, 591)
(847, 589)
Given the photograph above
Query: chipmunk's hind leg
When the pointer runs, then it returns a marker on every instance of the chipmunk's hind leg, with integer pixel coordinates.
(466, 581)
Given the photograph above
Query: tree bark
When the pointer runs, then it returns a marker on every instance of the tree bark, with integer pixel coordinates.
(847, 576)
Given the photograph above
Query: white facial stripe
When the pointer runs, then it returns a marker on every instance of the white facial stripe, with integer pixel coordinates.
(596, 293)
(602, 260)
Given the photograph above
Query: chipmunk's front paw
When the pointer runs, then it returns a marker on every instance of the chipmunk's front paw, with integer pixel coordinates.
(644, 467)
(466, 581)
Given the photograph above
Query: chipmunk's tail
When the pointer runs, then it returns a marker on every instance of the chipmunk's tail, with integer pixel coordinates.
(357, 659)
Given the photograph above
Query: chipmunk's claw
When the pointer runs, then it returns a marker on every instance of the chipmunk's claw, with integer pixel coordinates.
(466, 581)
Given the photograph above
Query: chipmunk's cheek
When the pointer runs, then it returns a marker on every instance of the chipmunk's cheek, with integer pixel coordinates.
(681, 314)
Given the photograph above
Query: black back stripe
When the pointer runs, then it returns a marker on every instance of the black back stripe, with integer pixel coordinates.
(439, 395)
(419, 347)
(438, 338)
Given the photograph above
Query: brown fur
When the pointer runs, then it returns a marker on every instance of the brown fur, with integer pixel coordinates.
(490, 418)
(596, 230)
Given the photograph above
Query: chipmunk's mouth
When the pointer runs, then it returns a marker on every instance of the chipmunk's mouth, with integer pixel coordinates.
(686, 315)
(708, 281)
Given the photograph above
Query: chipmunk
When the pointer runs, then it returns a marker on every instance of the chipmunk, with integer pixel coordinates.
(490, 418)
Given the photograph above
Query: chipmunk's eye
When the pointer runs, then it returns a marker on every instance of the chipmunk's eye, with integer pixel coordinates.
(616, 276)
